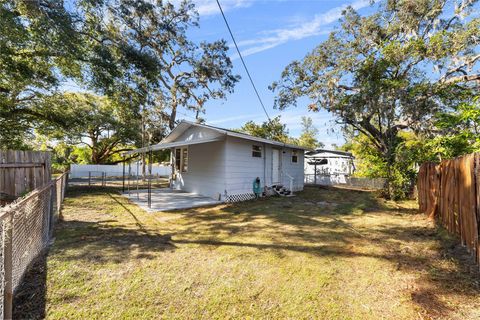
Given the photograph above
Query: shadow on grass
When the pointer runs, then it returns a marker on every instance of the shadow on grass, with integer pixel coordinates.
(104, 243)
(94, 243)
(30, 297)
(445, 272)
(315, 222)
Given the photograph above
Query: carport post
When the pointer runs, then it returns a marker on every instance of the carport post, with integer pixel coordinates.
(150, 179)
(123, 175)
(129, 173)
(138, 192)
(315, 172)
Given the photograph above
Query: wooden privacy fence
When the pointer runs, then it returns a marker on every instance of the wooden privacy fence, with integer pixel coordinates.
(22, 172)
(450, 193)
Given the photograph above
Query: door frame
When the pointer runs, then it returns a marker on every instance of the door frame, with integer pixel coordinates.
(279, 165)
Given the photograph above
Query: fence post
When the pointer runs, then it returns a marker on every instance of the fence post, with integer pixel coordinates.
(8, 267)
(52, 206)
(62, 186)
(89, 177)
(67, 176)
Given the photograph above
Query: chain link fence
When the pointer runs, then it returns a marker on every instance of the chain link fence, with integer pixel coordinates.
(26, 228)
(345, 181)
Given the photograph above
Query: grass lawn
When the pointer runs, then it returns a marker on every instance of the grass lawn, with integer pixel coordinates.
(324, 254)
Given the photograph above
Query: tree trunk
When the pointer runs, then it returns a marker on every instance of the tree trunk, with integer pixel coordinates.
(94, 146)
(173, 115)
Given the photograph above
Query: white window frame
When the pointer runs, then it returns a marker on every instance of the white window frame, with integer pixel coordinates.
(182, 160)
(182, 165)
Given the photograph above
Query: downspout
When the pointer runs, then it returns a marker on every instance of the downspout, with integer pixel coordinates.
(225, 170)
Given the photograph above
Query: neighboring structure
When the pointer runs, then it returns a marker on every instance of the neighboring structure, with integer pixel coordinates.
(332, 165)
(224, 164)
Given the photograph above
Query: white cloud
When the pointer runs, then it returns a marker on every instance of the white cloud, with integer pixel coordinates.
(299, 31)
(210, 7)
(235, 119)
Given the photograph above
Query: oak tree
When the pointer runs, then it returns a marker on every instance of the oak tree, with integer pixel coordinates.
(390, 71)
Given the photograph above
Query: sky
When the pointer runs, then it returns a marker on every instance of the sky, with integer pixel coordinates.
(270, 34)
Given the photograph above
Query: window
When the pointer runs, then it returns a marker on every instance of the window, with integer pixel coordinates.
(294, 156)
(184, 160)
(181, 159)
(256, 151)
(178, 159)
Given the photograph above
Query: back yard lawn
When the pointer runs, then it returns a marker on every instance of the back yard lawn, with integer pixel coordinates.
(327, 253)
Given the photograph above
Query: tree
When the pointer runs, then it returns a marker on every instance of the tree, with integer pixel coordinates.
(37, 41)
(308, 138)
(105, 128)
(14, 133)
(375, 73)
(457, 132)
(411, 150)
(273, 130)
(171, 70)
(135, 52)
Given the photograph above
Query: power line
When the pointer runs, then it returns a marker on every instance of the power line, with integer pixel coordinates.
(243, 61)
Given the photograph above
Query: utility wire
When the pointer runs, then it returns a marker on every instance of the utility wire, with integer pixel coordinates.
(243, 61)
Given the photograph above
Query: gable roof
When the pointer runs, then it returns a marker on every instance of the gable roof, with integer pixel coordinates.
(170, 140)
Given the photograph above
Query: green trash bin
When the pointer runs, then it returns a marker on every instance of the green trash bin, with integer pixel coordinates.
(257, 189)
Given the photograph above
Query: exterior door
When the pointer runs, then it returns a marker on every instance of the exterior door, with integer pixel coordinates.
(276, 166)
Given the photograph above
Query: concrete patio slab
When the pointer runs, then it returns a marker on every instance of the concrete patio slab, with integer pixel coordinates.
(167, 199)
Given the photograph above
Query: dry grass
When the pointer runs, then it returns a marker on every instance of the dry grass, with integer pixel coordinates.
(327, 253)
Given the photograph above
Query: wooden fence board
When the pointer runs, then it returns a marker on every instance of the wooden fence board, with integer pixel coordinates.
(477, 196)
(10, 183)
(2, 175)
(21, 172)
(451, 195)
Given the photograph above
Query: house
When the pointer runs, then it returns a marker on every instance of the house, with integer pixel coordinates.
(223, 164)
(328, 164)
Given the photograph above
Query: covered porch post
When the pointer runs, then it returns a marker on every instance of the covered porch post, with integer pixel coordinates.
(172, 166)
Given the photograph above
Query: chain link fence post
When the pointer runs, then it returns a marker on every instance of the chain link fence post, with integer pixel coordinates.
(8, 267)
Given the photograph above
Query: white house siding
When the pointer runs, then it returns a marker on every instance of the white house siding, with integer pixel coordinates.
(206, 170)
(294, 169)
(242, 168)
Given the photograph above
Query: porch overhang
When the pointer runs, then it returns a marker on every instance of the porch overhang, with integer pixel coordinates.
(168, 145)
